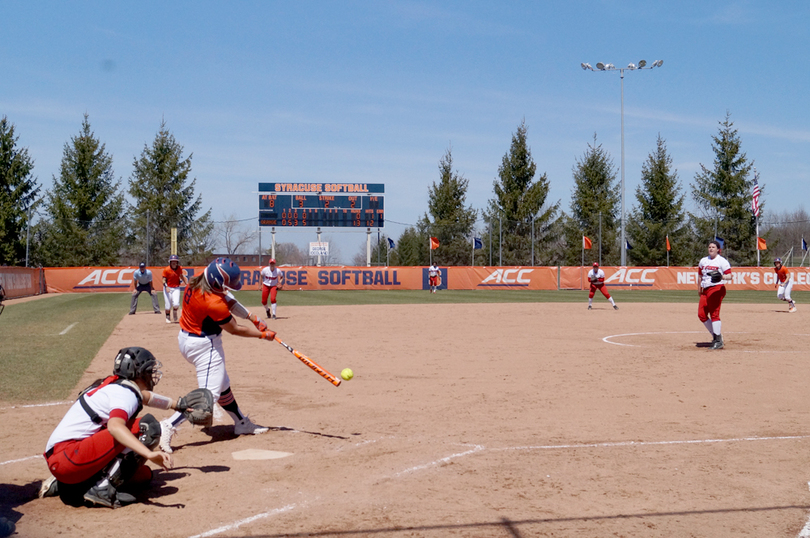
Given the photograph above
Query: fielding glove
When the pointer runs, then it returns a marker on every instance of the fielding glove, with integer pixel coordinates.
(716, 276)
(197, 406)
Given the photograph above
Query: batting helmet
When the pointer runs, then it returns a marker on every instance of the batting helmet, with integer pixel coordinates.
(778, 260)
(138, 363)
(174, 258)
(222, 274)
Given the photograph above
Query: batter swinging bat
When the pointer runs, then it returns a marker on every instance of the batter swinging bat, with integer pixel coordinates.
(312, 364)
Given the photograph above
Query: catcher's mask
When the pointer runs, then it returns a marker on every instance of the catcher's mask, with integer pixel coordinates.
(138, 363)
(222, 274)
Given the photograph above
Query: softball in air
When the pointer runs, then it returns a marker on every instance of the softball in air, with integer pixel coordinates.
(347, 374)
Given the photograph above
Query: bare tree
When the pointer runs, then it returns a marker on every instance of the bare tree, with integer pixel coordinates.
(786, 230)
(289, 254)
(235, 235)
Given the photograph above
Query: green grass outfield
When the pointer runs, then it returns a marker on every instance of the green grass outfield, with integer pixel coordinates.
(38, 364)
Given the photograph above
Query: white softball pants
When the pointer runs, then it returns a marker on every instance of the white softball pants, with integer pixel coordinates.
(783, 293)
(208, 357)
(171, 298)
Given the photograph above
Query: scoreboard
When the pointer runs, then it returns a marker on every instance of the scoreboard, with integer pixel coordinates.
(321, 205)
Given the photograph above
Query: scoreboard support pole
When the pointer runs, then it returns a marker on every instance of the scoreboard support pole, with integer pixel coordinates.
(368, 247)
(273, 243)
(319, 242)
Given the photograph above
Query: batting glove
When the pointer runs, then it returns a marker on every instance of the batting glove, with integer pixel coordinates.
(261, 325)
(268, 335)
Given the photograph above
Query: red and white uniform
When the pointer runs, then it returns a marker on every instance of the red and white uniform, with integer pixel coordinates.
(171, 289)
(272, 278)
(200, 338)
(597, 279)
(712, 293)
(79, 448)
(433, 276)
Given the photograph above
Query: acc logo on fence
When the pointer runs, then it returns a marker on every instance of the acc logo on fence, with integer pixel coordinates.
(507, 277)
(627, 276)
(106, 279)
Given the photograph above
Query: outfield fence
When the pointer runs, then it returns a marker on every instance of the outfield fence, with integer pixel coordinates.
(21, 281)
(107, 279)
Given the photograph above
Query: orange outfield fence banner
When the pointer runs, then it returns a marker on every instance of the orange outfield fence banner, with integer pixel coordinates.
(21, 281)
(110, 279)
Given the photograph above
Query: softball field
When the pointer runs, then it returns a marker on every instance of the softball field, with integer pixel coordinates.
(483, 420)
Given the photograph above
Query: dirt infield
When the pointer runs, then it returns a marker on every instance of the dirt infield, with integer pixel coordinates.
(505, 420)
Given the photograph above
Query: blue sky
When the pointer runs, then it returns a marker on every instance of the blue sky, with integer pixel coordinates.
(376, 91)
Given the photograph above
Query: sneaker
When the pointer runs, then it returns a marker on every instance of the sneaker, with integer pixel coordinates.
(590, 307)
(245, 426)
(792, 309)
(269, 315)
(132, 313)
(157, 311)
(108, 496)
(718, 342)
(615, 307)
(49, 488)
(167, 431)
(168, 320)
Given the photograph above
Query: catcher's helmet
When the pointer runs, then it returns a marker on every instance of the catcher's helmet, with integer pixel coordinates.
(174, 258)
(222, 274)
(138, 363)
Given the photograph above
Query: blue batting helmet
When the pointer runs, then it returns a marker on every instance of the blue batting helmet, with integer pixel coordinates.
(222, 274)
(174, 258)
(778, 260)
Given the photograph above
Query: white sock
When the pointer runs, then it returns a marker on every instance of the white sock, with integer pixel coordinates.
(176, 419)
(709, 326)
(273, 308)
(716, 327)
(590, 301)
(612, 301)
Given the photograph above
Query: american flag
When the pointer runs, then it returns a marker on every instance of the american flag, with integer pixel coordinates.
(755, 196)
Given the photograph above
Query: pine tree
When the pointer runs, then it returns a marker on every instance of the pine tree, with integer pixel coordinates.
(163, 194)
(412, 248)
(723, 197)
(85, 223)
(18, 192)
(447, 218)
(659, 214)
(595, 208)
(516, 214)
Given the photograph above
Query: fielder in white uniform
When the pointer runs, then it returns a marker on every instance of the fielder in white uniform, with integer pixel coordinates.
(272, 281)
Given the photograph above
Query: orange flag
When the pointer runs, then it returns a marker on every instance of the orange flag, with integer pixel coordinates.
(586, 243)
(434, 243)
(761, 245)
(668, 247)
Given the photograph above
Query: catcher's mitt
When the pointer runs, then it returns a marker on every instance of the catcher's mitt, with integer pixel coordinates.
(197, 406)
(716, 276)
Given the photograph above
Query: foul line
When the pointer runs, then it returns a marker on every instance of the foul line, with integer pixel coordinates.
(21, 459)
(241, 522)
(36, 405)
(476, 448)
(654, 443)
(68, 328)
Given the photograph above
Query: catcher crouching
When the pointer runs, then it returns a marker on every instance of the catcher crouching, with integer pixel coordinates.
(101, 445)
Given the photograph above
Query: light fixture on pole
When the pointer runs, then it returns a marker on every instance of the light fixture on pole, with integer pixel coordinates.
(630, 67)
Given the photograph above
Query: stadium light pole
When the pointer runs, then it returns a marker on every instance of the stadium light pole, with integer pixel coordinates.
(630, 67)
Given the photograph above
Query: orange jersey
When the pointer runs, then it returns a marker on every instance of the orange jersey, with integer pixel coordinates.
(781, 273)
(173, 276)
(204, 313)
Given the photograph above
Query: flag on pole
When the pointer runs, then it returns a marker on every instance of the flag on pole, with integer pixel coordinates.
(761, 244)
(434, 243)
(755, 196)
(586, 243)
(720, 242)
(477, 243)
(627, 245)
(804, 245)
(391, 243)
(668, 247)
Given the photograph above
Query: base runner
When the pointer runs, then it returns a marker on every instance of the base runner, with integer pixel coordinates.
(172, 278)
(784, 283)
(597, 279)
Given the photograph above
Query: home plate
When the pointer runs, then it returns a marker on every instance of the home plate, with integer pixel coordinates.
(256, 454)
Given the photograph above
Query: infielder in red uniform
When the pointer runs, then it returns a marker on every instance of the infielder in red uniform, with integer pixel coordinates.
(208, 308)
(714, 271)
(784, 283)
(433, 277)
(272, 281)
(597, 279)
(100, 444)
